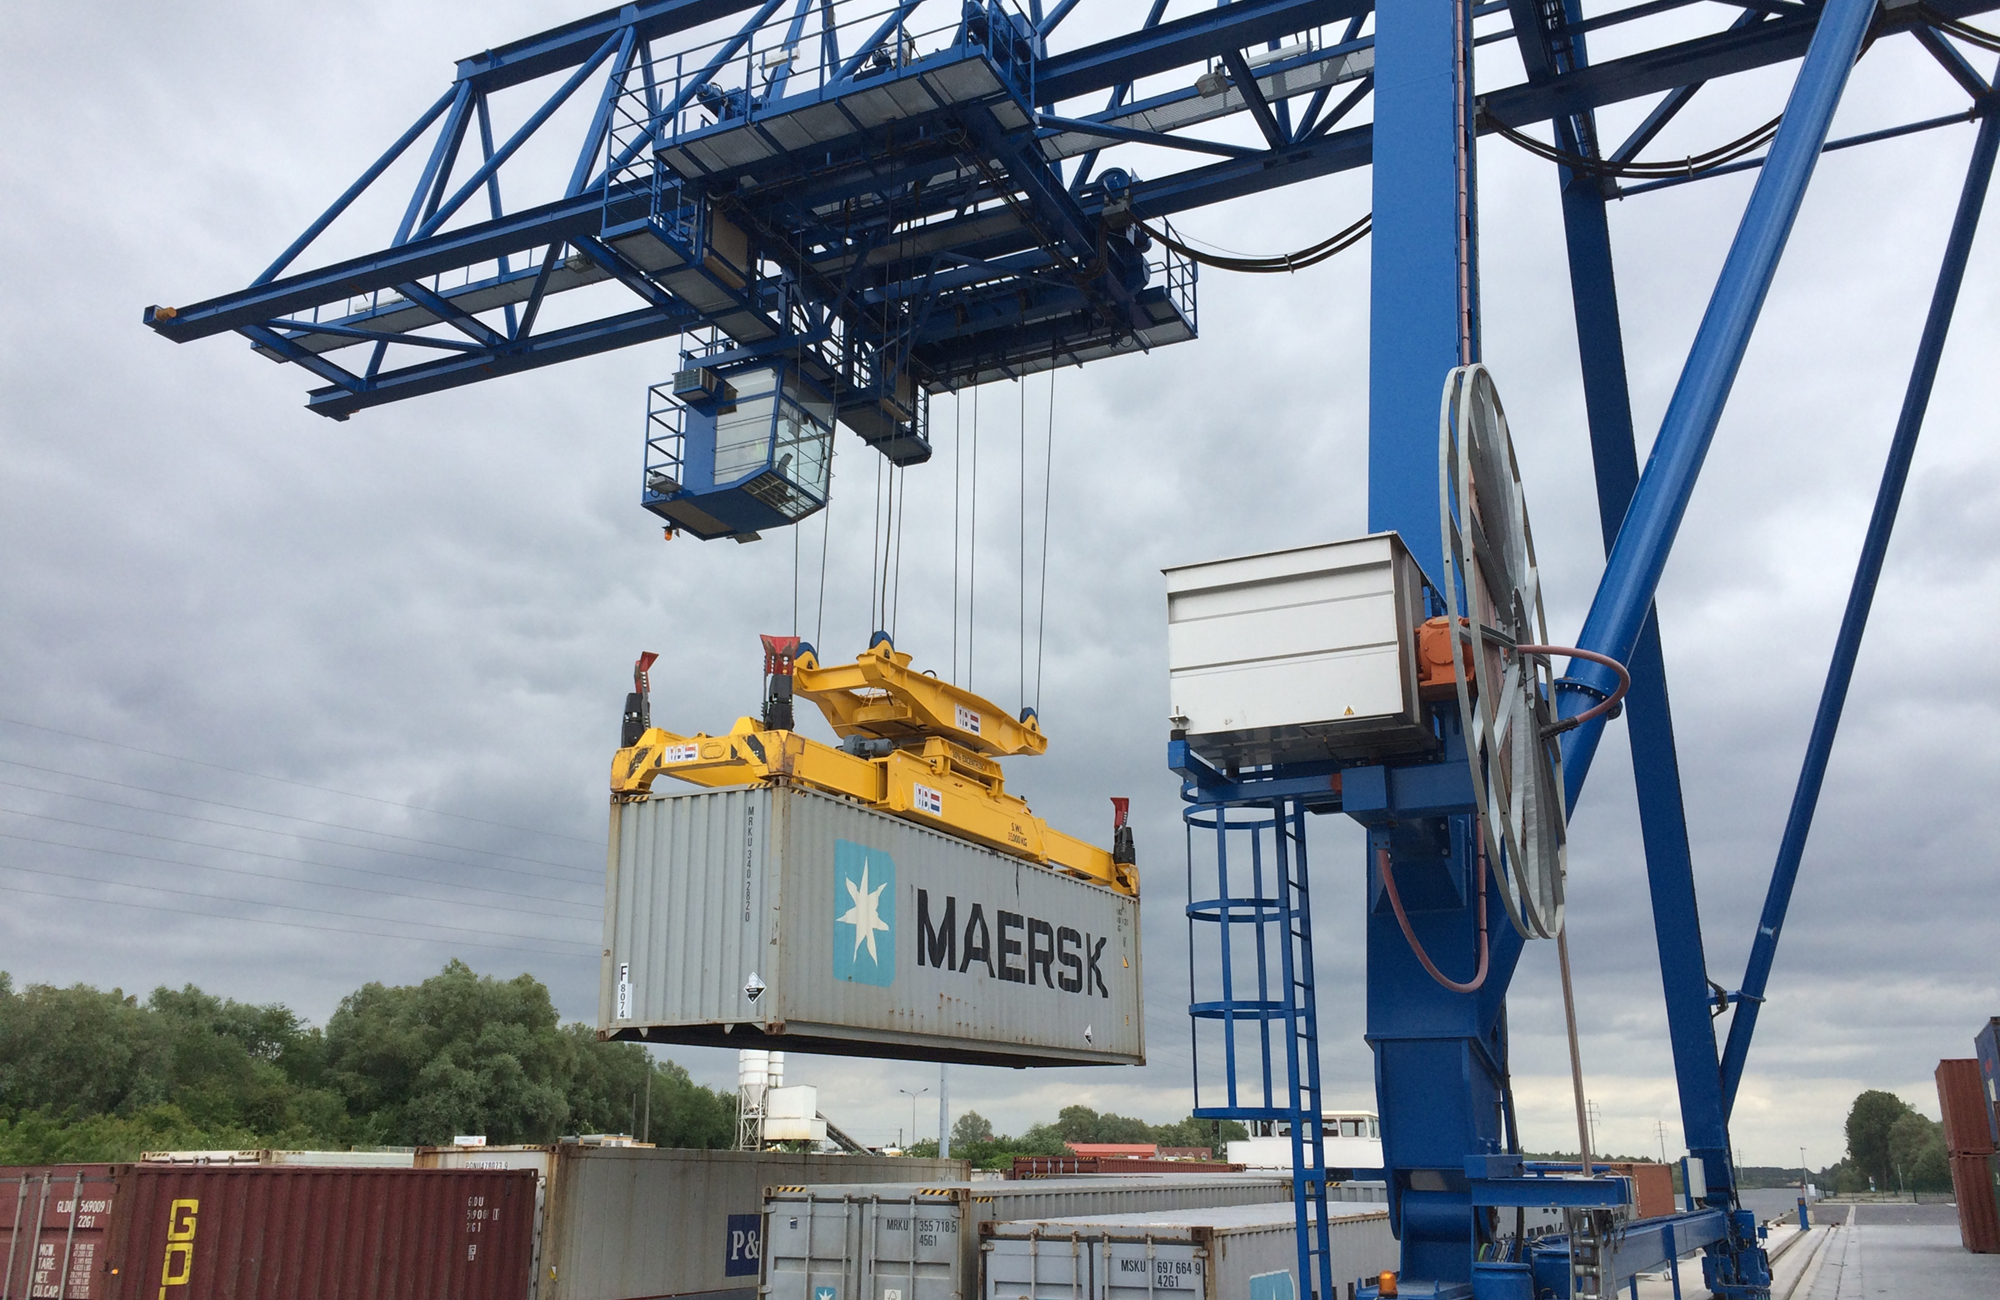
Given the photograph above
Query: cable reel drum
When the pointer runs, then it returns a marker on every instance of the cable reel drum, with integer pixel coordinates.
(1493, 600)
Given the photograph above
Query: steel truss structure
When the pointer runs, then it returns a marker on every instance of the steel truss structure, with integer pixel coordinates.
(903, 198)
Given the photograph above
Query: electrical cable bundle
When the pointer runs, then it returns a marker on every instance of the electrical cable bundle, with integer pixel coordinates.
(1338, 242)
(1963, 31)
(1688, 166)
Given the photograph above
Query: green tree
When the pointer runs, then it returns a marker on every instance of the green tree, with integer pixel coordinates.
(969, 1128)
(607, 1094)
(458, 1053)
(1869, 1122)
(1916, 1151)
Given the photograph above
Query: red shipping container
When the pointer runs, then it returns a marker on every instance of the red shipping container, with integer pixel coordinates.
(1978, 1208)
(316, 1233)
(54, 1225)
(1962, 1100)
(1652, 1186)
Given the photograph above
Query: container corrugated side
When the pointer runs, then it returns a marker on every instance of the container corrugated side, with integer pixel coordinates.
(802, 921)
(306, 1233)
(1239, 1253)
(1973, 1187)
(1962, 1102)
(55, 1224)
(630, 1222)
(924, 1240)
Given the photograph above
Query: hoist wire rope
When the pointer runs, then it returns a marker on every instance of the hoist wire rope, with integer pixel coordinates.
(972, 552)
(825, 536)
(1021, 588)
(228, 898)
(1311, 255)
(902, 523)
(314, 821)
(957, 494)
(1688, 166)
(303, 785)
(1042, 599)
(295, 835)
(263, 920)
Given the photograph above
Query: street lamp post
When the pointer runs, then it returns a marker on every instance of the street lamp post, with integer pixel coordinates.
(913, 1107)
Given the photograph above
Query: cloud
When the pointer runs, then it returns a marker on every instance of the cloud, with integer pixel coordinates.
(433, 607)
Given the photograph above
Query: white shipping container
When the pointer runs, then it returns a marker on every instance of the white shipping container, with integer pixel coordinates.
(914, 1242)
(1300, 654)
(1242, 1253)
(799, 920)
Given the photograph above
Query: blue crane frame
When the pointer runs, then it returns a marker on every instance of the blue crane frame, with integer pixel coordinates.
(1011, 263)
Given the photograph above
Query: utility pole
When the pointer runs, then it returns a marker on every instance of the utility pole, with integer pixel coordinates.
(1660, 1127)
(647, 1134)
(944, 1113)
(1596, 1149)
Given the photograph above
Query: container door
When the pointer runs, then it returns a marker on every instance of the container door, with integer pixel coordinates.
(54, 1226)
(808, 1248)
(1143, 1269)
(912, 1251)
(1041, 1268)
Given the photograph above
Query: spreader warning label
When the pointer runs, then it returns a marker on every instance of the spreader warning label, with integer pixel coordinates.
(968, 719)
(680, 753)
(927, 800)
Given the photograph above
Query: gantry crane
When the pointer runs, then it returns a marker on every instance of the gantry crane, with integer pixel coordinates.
(843, 209)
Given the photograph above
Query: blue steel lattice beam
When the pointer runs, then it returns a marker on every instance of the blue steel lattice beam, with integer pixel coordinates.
(1854, 621)
(1644, 539)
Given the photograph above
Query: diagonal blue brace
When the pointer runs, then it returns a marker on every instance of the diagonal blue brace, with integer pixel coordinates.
(1902, 449)
(1649, 713)
(1632, 574)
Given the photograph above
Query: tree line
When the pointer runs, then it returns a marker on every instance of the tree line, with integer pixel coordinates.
(88, 1075)
(973, 1138)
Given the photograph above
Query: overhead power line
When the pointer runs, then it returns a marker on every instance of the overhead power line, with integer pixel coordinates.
(289, 925)
(310, 821)
(311, 839)
(303, 785)
(265, 875)
(250, 902)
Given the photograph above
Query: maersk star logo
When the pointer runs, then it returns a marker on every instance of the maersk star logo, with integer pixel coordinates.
(864, 914)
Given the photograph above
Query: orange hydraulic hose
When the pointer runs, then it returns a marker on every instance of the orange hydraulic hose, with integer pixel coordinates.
(1402, 919)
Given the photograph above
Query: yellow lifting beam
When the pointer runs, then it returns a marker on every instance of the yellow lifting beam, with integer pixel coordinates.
(932, 760)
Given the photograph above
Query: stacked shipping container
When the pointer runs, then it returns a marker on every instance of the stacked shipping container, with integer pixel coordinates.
(565, 1222)
(914, 1242)
(141, 1232)
(1969, 1144)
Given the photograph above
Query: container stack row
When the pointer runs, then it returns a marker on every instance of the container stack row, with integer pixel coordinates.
(958, 1241)
(1967, 1101)
(560, 1222)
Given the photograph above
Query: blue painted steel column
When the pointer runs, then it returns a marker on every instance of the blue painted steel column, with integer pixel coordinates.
(1414, 321)
(1833, 697)
(1438, 1054)
(1649, 715)
(1647, 535)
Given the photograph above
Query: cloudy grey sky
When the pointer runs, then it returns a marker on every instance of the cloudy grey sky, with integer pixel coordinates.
(293, 705)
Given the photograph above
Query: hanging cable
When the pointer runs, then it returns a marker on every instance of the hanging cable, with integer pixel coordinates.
(1423, 958)
(1042, 599)
(795, 583)
(1693, 164)
(1021, 589)
(1964, 31)
(1595, 711)
(1312, 255)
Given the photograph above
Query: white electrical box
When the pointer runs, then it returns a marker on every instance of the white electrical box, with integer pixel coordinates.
(1297, 655)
